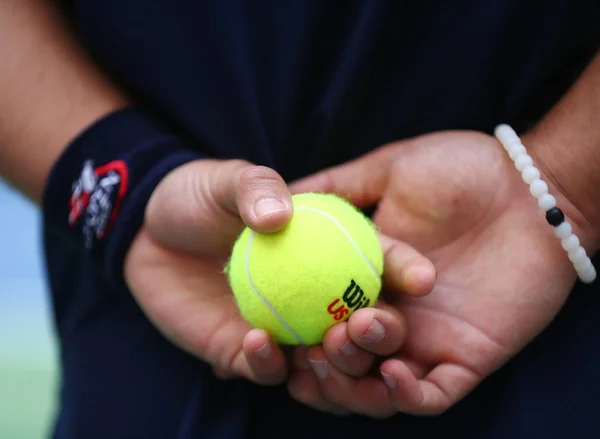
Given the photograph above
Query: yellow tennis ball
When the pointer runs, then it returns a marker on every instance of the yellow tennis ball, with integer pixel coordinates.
(298, 282)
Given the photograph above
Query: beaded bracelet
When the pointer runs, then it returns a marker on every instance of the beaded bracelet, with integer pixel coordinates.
(539, 189)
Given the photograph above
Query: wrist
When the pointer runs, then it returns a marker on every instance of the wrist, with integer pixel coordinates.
(575, 196)
(566, 146)
(574, 239)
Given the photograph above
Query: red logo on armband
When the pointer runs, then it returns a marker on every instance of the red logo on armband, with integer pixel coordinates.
(96, 198)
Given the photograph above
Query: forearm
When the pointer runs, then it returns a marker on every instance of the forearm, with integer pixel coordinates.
(566, 147)
(50, 92)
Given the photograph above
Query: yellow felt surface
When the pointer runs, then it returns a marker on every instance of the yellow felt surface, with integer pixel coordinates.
(303, 269)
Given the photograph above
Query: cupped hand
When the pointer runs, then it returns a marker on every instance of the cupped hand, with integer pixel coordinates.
(501, 274)
(174, 267)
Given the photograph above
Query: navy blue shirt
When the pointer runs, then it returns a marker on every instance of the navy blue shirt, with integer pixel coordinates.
(298, 86)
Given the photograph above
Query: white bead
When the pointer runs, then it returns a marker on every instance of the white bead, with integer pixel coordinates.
(587, 275)
(563, 230)
(546, 202)
(583, 265)
(508, 146)
(523, 161)
(586, 271)
(505, 134)
(510, 143)
(530, 174)
(570, 243)
(515, 150)
(577, 255)
(538, 188)
(503, 129)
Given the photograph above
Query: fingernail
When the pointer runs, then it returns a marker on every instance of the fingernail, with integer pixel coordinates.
(267, 206)
(348, 348)
(388, 380)
(264, 351)
(375, 333)
(320, 368)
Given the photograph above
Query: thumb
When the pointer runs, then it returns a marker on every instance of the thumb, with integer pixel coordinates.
(361, 181)
(257, 194)
(201, 207)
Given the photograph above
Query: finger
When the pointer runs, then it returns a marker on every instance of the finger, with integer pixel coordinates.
(344, 354)
(202, 206)
(380, 331)
(262, 360)
(258, 359)
(300, 358)
(261, 198)
(367, 395)
(198, 313)
(406, 270)
(304, 387)
(362, 181)
(443, 387)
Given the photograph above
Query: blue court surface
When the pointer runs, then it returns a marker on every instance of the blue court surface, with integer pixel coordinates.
(28, 354)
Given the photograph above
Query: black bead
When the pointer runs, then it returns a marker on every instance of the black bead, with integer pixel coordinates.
(555, 216)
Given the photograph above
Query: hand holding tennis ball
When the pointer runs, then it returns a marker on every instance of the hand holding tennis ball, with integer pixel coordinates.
(300, 281)
(174, 269)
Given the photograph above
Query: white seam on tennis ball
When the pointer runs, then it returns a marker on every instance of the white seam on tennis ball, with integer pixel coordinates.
(263, 298)
(345, 232)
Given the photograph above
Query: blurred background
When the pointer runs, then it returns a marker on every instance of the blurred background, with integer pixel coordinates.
(28, 353)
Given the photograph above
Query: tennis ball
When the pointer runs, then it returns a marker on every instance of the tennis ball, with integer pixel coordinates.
(298, 282)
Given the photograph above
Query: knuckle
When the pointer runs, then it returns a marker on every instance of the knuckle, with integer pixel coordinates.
(257, 177)
(237, 168)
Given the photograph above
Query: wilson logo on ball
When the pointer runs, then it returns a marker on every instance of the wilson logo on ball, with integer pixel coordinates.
(352, 299)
